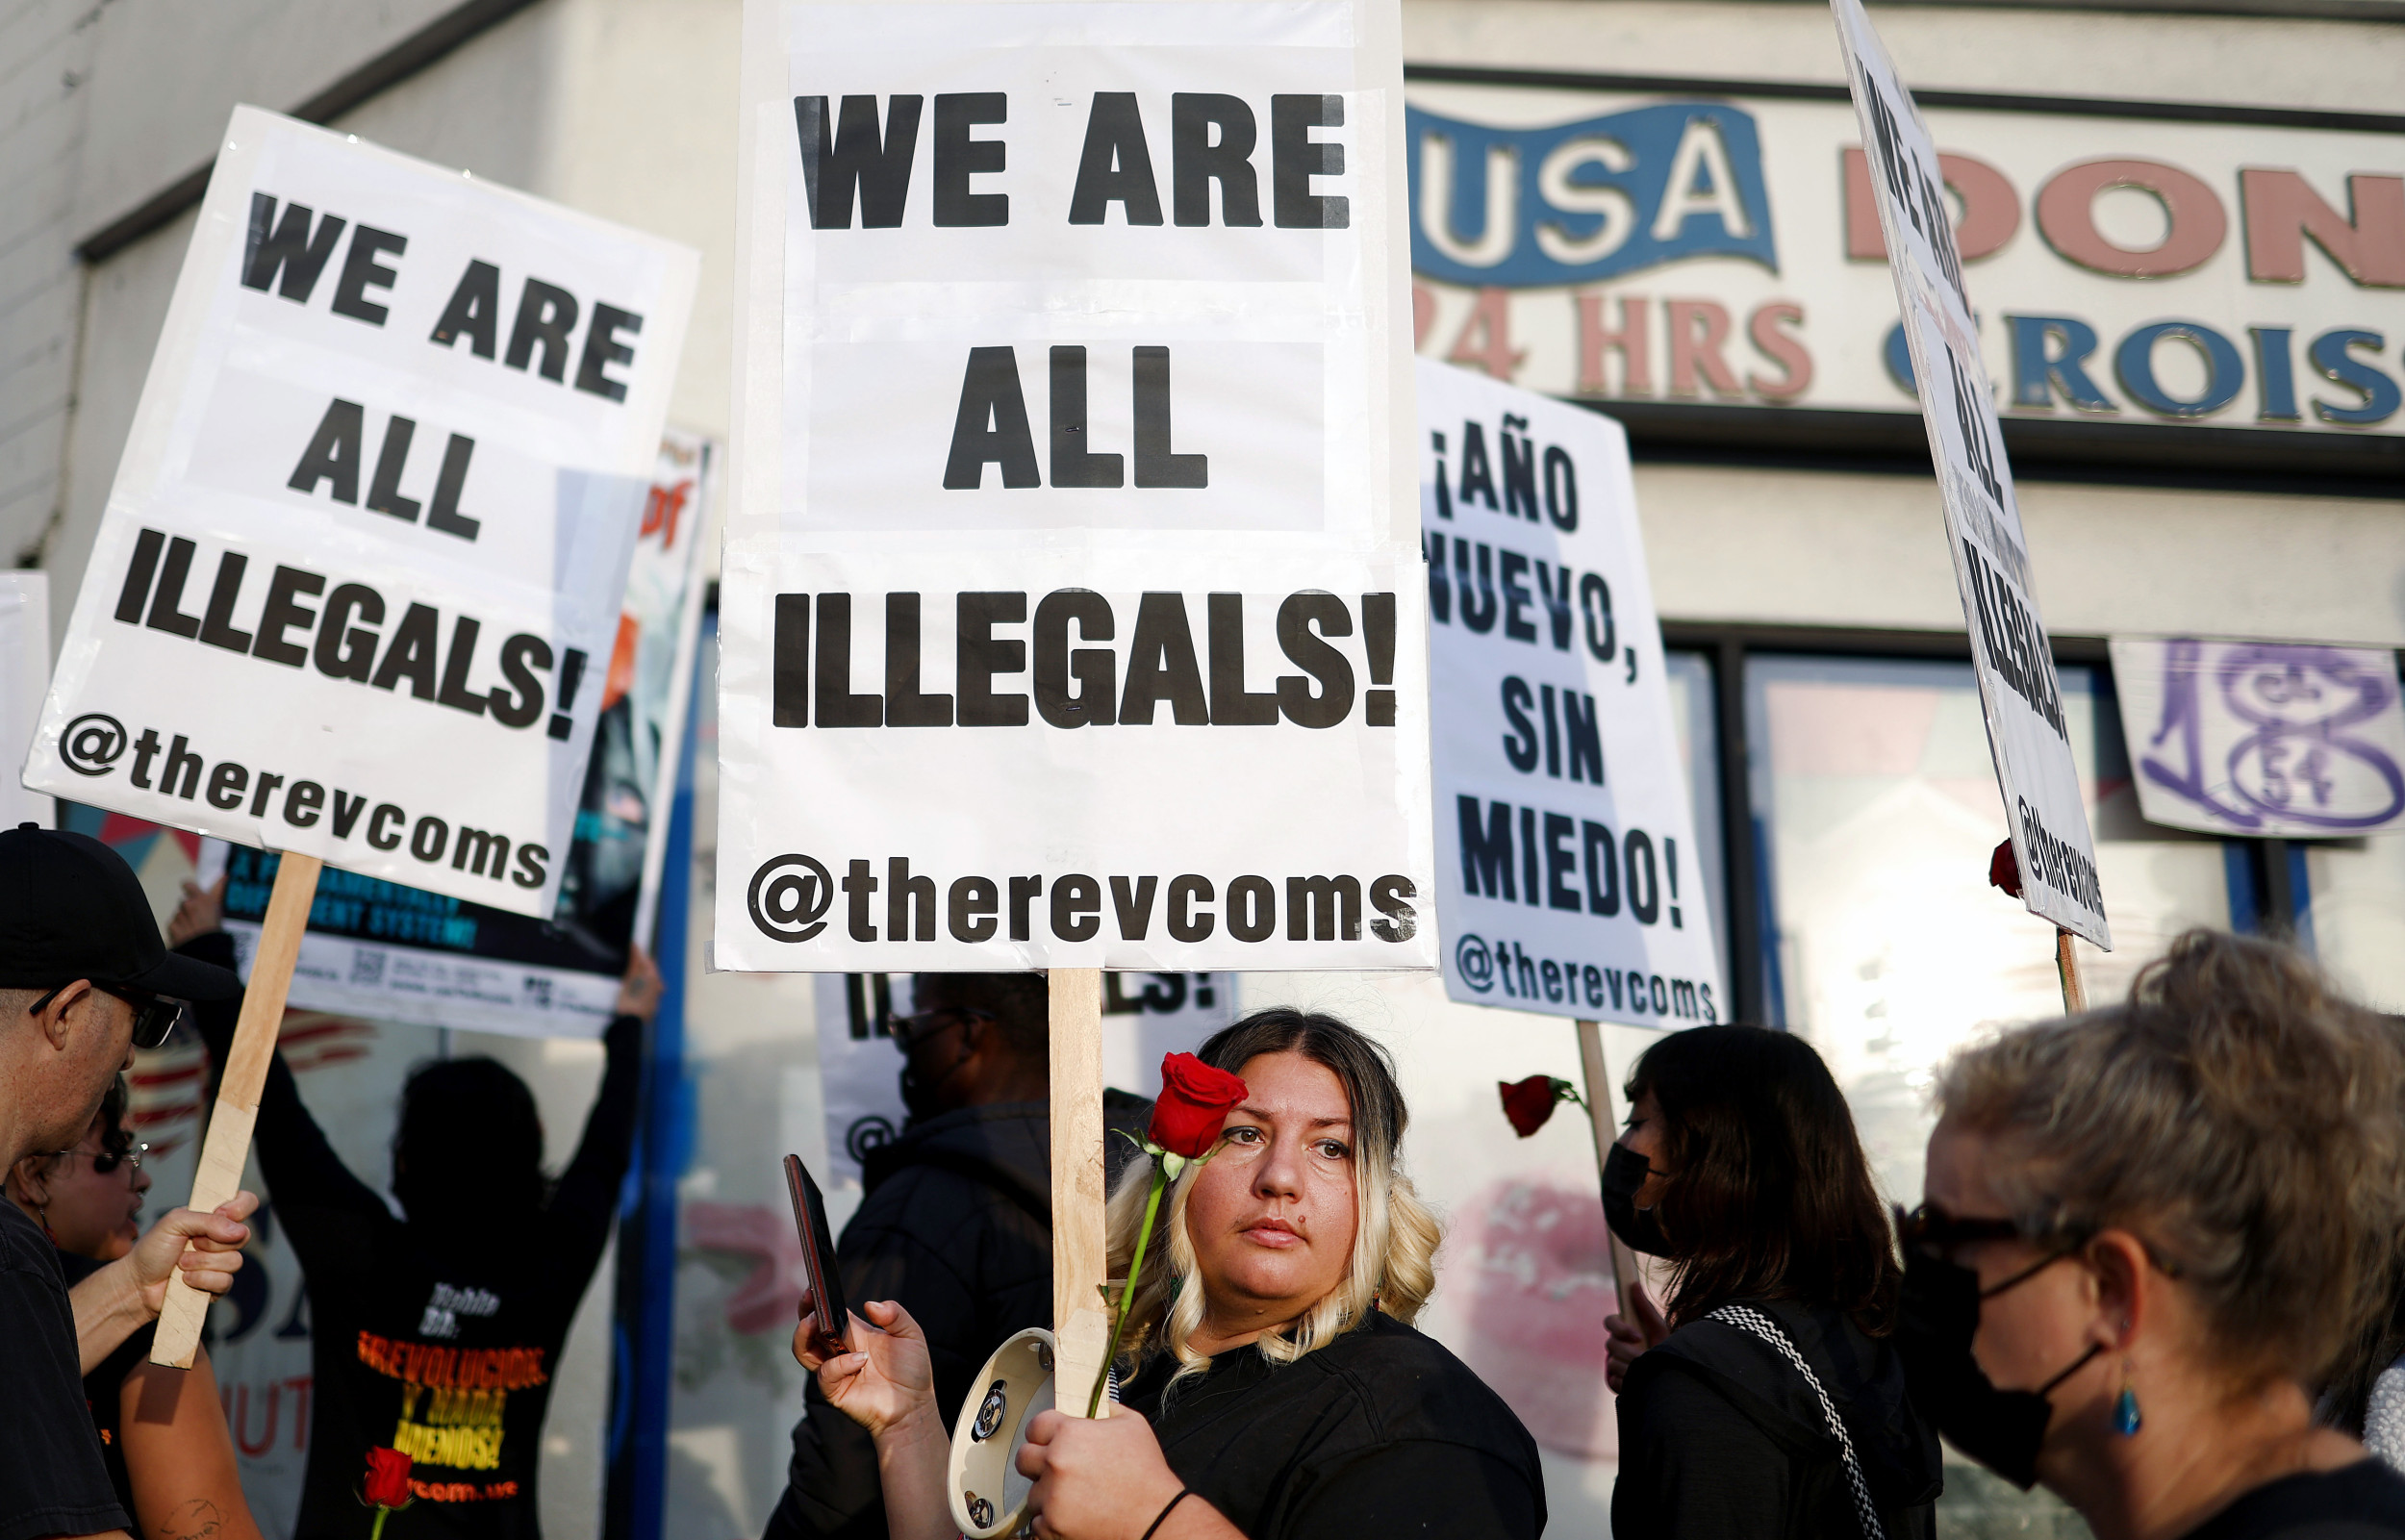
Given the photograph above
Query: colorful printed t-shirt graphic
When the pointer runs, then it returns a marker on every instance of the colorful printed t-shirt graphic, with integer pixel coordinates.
(423, 1339)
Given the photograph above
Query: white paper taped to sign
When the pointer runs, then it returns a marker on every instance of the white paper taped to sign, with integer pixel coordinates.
(358, 574)
(1070, 603)
(2028, 732)
(2263, 739)
(1567, 873)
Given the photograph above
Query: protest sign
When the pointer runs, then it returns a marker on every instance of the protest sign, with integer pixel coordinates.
(378, 949)
(1567, 873)
(2028, 732)
(24, 675)
(2263, 739)
(1144, 1017)
(363, 556)
(1070, 607)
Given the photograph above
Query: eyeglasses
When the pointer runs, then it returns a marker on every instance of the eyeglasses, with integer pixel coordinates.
(910, 1031)
(1935, 1230)
(105, 1162)
(154, 1014)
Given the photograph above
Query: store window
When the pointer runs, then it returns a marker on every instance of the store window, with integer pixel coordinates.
(2354, 911)
(1877, 811)
(1693, 715)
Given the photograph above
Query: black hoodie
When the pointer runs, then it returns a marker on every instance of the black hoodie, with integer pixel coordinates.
(956, 1225)
(1721, 1438)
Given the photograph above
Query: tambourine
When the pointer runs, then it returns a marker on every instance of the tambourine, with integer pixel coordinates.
(989, 1496)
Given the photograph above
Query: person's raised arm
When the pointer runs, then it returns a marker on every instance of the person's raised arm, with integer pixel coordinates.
(887, 1385)
(127, 1294)
(587, 1195)
(180, 1457)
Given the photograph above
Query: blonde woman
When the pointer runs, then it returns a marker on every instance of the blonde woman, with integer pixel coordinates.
(2151, 1234)
(1277, 1384)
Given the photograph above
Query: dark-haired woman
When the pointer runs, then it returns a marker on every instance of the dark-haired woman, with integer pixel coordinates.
(439, 1333)
(1767, 1399)
(1278, 1388)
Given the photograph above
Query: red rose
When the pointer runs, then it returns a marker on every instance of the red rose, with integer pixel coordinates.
(1530, 1104)
(2004, 871)
(388, 1478)
(1195, 1101)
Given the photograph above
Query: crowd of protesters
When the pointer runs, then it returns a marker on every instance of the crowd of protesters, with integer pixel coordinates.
(2157, 1268)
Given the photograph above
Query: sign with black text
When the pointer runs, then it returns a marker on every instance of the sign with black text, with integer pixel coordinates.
(1069, 606)
(2028, 732)
(358, 580)
(1568, 877)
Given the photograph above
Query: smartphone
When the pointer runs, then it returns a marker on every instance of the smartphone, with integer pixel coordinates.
(833, 1320)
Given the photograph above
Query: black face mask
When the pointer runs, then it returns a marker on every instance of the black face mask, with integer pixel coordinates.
(2000, 1429)
(1624, 1171)
(923, 1095)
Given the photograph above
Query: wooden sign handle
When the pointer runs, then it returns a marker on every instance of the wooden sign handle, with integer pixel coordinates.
(1081, 1262)
(2066, 965)
(1597, 1076)
(227, 1149)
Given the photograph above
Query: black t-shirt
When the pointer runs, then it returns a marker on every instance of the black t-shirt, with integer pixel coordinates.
(52, 1481)
(422, 1339)
(2365, 1500)
(104, 1388)
(1381, 1432)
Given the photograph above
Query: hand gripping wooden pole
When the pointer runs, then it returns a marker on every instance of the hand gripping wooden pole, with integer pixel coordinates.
(2066, 965)
(1080, 1265)
(227, 1148)
(1597, 1076)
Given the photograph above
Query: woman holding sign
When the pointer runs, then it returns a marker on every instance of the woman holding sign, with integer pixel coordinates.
(1771, 1400)
(1277, 1386)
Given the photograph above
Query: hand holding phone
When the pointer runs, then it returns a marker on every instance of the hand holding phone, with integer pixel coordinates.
(831, 1325)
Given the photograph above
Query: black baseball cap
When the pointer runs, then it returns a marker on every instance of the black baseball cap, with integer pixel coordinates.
(71, 908)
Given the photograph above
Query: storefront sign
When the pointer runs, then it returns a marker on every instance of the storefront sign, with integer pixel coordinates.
(378, 949)
(1070, 599)
(2264, 739)
(1567, 874)
(1725, 251)
(2028, 732)
(358, 574)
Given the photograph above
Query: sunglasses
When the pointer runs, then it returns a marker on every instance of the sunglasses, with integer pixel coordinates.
(154, 1014)
(1932, 1229)
(909, 1032)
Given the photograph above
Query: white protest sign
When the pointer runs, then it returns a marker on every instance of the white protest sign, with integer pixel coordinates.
(1144, 1017)
(2028, 732)
(1070, 602)
(24, 675)
(359, 575)
(2263, 739)
(1567, 873)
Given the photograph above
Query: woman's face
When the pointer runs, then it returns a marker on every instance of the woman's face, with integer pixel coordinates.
(1272, 1212)
(2037, 1327)
(1646, 1136)
(94, 1213)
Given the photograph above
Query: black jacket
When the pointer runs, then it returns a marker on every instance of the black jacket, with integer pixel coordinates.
(956, 1224)
(1720, 1436)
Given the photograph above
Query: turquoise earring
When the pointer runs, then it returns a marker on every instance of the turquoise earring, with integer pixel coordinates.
(2126, 1418)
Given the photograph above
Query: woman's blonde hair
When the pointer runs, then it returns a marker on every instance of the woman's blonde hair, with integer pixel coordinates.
(1393, 1263)
(2237, 1115)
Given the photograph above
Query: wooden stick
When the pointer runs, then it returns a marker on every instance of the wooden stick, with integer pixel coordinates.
(227, 1149)
(2066, 965)
(1597, 1076)
(1080, 1265)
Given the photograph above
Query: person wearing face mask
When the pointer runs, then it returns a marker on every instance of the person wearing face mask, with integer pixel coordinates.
(1767, 1398)
(2152, 1235)
(954, 1220)
(1275, 1387)
(163, 1433)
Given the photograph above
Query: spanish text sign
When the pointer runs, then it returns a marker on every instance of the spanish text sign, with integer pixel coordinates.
(358, 579)
(2028, 732)
(1070, 607)
(1567, 873)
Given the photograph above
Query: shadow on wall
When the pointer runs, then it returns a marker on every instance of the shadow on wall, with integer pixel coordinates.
(1539, 1276)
